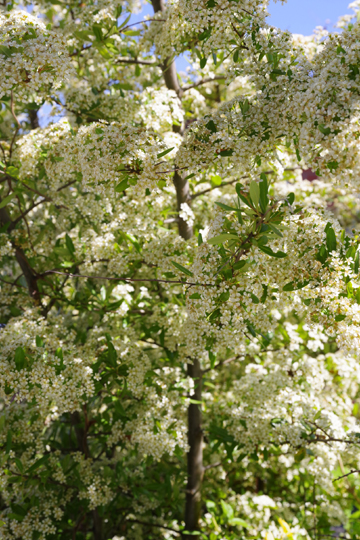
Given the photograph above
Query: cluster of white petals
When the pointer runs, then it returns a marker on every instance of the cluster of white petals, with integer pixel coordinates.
(32, 58)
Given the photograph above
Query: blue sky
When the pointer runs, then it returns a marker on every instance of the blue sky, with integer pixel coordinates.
(297, 16)
(302, 16)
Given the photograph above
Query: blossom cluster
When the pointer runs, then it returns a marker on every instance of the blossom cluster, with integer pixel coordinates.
(32, 58)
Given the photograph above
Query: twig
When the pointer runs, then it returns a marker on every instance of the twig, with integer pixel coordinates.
(124, 279)
(12, 283)
(139, 62)
(141, 22)
(223, 363)
(348, 474)
(203, 81)
(13, 110)
(173, 170)
(153, 525)
(212, 465)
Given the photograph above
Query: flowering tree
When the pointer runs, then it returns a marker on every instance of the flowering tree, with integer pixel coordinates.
(180, 306)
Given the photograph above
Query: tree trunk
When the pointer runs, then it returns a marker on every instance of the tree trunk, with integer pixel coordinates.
(195, 455)
(195, 436)
(29, 273)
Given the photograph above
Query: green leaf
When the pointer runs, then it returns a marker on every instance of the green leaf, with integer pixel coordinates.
(255, 193)
(97, 32)
(195, 296)
(8, 441)
(221, 238)
(228, 511)
(264, 294)
(38, 464)
(216, 180)
(19, 464)
(356, 264)
(182, 268)
(291, 198)
(39, 341)
(263, 185)
(12, 171)
(211, 126)
(240, 264)
(122, 186)
(340, 318)
(275, 230)
(330, 238)
(69, 244)
(226, 153)
(290, 286)
(300, 455)
(165, 152)
(241, 196)
(227, 208)
(239, 523)
(7, 199)
(271, 253)
(203, 62)
(19, 358)
(215, 315)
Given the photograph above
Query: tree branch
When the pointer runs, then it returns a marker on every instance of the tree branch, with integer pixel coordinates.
(134, 61)
(123, 278)
(203, 81)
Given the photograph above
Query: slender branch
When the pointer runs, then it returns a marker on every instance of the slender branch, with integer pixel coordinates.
(123, 278)
(13, 110)
(153, 525)
(212, 465)
(223, 363)
(142, 22)
(12, 283)
(131, 61)
(66, 185)
(348, 474)
(16, 221)
(203, 81)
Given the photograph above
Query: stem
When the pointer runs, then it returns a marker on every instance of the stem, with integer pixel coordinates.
(29, 273)
(195, 467)
(195, 436)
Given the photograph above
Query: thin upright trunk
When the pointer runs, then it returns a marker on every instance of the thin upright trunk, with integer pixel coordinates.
(81, 438)
(195, 468)
(27, 270)
(195, 435)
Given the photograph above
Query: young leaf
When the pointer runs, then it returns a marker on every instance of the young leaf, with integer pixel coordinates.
(211, 126)
(263, 192)
(269, 251)
(182, 268)
(38, 463)
(227, 208)
(122, 186)
(221, 238)
(255, 193)
(275, 230)
(165, 152)
(69, 244)
(19, 358)
(356, 263)
(7, 199)
(330, 238)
